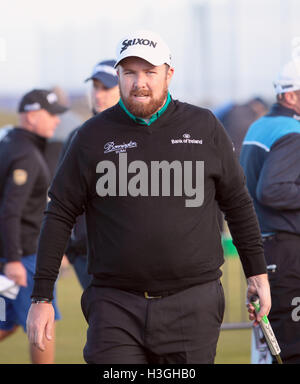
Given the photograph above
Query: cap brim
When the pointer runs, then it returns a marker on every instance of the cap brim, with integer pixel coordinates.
(145, 55)
(57, 109)
(285, 87)
(108, 80)
(150, 60)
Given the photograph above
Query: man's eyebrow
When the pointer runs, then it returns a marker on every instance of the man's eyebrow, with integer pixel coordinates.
(143, 69)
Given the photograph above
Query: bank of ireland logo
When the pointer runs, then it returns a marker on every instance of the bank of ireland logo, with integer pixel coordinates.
(2, 309)
(186, 139)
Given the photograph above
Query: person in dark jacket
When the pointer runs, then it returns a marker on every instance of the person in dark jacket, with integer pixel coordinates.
(237, 118)
(24, 181)
(104, 94)
(148, 173)
(271, 160)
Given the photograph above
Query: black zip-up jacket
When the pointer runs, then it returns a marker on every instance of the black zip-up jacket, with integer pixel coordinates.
(24, 180)
(271, 160)
(149, 243)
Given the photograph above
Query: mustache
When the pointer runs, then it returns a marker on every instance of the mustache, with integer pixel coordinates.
(140, 92)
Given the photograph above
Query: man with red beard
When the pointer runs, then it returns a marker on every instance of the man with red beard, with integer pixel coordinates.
(154, 251)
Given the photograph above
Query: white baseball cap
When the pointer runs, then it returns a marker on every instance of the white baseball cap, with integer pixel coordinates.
(289, 78)
(144, 44)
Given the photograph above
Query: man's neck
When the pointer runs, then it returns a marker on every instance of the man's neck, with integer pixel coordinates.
(148, 120)
(292, 107)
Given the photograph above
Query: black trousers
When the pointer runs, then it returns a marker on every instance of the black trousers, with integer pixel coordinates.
(282, 251)
(127, 328)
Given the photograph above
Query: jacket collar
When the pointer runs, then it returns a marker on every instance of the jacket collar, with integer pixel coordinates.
(279, 110)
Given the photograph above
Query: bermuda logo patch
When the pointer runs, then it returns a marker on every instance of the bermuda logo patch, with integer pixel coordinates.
(119, 148)
(20, 176)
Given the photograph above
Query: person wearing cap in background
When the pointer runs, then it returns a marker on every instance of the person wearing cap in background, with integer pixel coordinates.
(24, 181)
(270, 157)
(104, 94)
(237, 118)
(105, 90)
(154, 251)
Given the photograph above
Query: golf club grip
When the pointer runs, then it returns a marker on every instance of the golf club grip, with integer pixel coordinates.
(266, 328)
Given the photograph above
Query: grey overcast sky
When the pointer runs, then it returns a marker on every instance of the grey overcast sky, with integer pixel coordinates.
(44, 42)
(222, 49)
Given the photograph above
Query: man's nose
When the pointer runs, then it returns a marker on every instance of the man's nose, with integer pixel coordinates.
(99, 94)
(140, 80)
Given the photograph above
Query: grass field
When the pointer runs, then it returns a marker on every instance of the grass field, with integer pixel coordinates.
(7, 118)
(233, 346)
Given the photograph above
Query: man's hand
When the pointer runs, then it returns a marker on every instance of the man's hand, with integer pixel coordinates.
(259, 285)
(40, 323)
(16, 271)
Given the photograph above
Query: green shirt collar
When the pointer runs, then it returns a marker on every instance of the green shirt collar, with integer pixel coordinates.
(152, 118)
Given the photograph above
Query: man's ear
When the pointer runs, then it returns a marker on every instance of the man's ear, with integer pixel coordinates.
(28, 118)
(291, 98)
(170, 73)
(31, 117)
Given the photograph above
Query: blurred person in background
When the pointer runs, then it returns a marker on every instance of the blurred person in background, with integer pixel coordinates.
(237, 118)
(105, 90)
(68, 122)
(270, 157)
(104, 94)
(24, 181)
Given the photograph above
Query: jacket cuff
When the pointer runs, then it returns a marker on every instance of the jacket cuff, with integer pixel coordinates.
(43, 288)
(254, 265)
(13, 254)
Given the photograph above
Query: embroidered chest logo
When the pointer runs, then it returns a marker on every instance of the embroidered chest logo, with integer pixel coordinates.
(186, 139)
(119, 148)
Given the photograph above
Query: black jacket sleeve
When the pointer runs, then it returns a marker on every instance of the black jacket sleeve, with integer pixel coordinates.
(18, 187)
(236, 203)
(77, 242)
(278, 186)
(68, 194)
